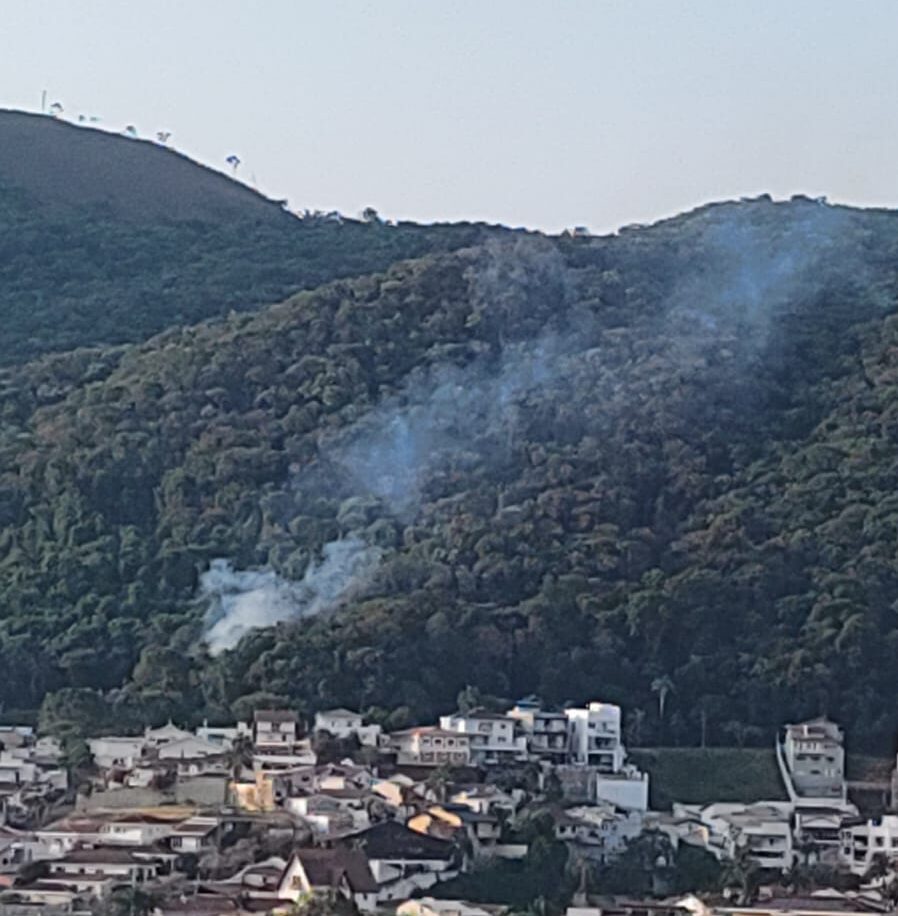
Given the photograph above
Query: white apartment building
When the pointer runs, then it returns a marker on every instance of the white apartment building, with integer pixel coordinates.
(861, 843)
(546, 732)
(493, 736)
(811, 759)
(343, 723)
(763, 828)
(595, 737)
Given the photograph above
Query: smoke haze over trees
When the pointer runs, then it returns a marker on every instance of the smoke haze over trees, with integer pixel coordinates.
(580, 465)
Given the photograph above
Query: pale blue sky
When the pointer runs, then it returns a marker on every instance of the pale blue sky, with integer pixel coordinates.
(545, 114)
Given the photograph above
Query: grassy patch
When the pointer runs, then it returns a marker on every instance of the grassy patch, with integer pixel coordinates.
(704, 775)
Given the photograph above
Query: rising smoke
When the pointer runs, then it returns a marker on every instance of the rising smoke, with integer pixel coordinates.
(240, 601)
(450, 418)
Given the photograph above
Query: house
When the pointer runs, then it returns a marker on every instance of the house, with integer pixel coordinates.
(188, 747)
(493, 738)
(156, 737)
(274, 729)
(764, 829)
(224, 735)
(404, 861)
(429, 746)
(546, 731)
(114, 752)
(343, 723)
(59, 837)
(811, 759)
(487, 799)
(194, 835)
(595, 736)
(134, 830)
(334, 809)
(820, 826)
(95, 871)
(325, 816)
(597, 832)
(452, 822)
(345, 872)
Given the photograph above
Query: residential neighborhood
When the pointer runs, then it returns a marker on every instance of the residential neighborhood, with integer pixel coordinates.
(268, 814)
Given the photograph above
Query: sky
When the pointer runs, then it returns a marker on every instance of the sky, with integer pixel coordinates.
(541, 114)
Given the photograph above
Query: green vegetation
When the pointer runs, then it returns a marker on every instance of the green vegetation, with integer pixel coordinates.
(72, 278)
(656, 468)
(705, 775)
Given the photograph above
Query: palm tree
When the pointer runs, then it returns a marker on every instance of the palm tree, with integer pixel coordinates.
(743, 873)
(438, 782)
(879, 868)
(239, 755)
(663, 686)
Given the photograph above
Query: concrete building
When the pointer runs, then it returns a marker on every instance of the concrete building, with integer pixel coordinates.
(343, 723)
(811, 759)
(763, 828)
(274, 730)
(546, 732)
(595, 737)
(493, 737)
(427, 746)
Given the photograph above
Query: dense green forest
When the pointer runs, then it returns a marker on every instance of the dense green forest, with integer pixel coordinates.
(81, 277)
(663, 460)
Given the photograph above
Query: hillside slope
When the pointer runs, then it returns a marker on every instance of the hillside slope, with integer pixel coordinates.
(60, 166)
(570, 468)
(106, 240)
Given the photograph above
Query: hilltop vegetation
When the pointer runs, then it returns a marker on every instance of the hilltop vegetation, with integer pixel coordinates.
(589, 467)
(107, 240)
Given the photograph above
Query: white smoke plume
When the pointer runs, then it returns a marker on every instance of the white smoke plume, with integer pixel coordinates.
(243, 600)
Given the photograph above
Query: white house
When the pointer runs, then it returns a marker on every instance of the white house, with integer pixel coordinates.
(763, 828)
(156, 737)
(134, 830)
(85, 869)
(599, 832)
(595, 736)
(345, 872)
(115, 752)
(343, 723)
(188, 747)
(546, 731)
(274, 730)
(493, 736)
(194, 835)
(428, 746)
(811, 759)
(862, 842)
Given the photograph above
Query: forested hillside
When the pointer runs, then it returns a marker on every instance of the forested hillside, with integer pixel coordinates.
(576, 467)
(106, 239)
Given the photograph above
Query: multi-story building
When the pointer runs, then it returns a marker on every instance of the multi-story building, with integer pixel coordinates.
(274, 730)
(428, 746)
(546, 731)
(811, 758)
(764, 829)
(493, 737)
(343, 723)
(595, 737)
(863, 842)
